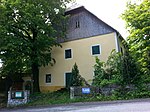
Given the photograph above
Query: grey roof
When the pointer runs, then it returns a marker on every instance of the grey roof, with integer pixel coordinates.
(91, 25)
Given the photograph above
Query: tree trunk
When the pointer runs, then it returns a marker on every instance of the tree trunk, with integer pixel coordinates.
(35, 78)
(8, 84)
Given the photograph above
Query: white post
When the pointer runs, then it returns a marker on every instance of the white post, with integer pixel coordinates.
(71, 92)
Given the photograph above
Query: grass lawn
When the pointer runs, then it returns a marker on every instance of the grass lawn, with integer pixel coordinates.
(58, 97)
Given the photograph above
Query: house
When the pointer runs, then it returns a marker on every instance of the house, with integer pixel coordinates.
(87, 37)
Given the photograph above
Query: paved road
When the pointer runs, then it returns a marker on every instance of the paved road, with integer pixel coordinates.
(115, 106)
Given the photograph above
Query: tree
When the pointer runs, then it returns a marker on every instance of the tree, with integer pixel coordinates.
(137, 17)
(99, 73)
(28, 31)
(120, 69)
(130, 69)
(77, 80)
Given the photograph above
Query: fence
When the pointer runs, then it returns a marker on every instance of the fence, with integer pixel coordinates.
(83, 91)
(76, 92)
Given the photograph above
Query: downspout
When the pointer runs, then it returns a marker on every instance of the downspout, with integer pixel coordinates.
(117, 43)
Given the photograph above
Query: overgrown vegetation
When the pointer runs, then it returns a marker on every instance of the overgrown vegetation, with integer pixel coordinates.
(120, 69)
(49, 98)
(63, 97)
(137, 18)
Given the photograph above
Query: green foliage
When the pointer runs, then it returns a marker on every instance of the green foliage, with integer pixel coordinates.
(109, 72)
(137, 17)
(120, 69)
(62, 97)
(114, 67)
(99, 73)
(28, 31)
(131, 73)
(77, 80)
(58, 97)
(136, 93)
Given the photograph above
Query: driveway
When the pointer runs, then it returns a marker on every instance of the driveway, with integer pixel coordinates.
(140, 105)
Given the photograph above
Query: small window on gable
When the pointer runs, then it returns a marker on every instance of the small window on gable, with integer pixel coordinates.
(48, 78)
(77, 24)
(95, 49)
(68, 53)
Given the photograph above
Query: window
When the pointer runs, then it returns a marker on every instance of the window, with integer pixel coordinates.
(95, 49)
(48, 78)
(68, 54)
(77, 24)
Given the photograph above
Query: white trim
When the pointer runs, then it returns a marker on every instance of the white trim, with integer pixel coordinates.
(116, 42)
(71, 53)
(100, 48)
(65, 79)
(45, 78)
(93, 74)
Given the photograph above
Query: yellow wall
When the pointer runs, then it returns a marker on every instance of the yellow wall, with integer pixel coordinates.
(81, 55)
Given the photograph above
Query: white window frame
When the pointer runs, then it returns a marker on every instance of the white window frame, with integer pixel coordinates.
(99, 48)
(45, 78)
(65, 54)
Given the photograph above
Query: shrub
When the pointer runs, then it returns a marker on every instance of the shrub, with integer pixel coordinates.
(77, 79)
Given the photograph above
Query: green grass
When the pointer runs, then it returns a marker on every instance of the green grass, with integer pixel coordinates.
(59, 97)
(62, 97)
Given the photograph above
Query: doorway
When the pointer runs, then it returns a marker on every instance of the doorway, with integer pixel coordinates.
(68, 79)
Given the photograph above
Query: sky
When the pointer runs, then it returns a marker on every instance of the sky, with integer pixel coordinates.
(108, 11)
